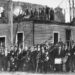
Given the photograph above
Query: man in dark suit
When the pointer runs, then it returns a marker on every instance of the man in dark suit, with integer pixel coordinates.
(72, 57)
(59, 56)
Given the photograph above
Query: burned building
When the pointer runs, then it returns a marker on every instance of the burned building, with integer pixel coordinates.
(28, 31)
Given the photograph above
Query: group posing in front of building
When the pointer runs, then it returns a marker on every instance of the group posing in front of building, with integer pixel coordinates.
(46, 57)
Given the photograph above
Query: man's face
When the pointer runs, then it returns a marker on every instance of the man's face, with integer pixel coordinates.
(43, 51)
(38, 47)
(15, 48)
(32, 48)
(12, 48)
(35, 49)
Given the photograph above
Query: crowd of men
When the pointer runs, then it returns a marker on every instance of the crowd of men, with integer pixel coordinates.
(41, 58)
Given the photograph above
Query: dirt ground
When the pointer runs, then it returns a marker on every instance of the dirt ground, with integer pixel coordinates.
(25, 73)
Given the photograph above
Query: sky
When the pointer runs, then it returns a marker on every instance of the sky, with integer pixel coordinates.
(52, 3)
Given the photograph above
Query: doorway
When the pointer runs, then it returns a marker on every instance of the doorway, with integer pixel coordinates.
(55, 38)
(68, 36)
(2, 42)
(20, 40)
